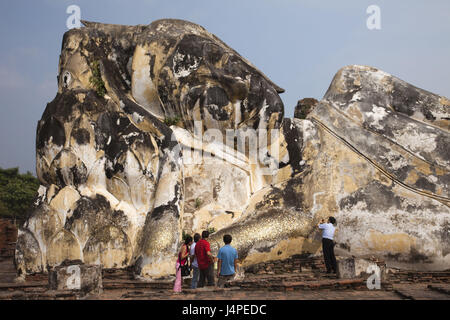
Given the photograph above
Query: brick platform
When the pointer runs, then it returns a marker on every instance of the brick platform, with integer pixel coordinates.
(268, 281)
(294, 264)
(403, 276)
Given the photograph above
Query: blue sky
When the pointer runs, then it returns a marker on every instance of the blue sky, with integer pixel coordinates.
(299, 44)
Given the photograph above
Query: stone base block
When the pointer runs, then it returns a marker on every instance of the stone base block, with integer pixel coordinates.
(351, 268)
(85, 279)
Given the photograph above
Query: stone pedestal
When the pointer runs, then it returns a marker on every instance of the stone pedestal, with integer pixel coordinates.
(351, 268)
(346, 268)
(82, 278)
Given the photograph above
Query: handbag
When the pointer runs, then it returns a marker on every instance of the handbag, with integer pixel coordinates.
(185, 270)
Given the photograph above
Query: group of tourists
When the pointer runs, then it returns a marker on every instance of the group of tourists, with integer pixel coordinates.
(195, 254)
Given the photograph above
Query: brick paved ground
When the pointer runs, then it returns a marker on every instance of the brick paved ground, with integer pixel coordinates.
(423, 291)
(236, 294)
(306, 285)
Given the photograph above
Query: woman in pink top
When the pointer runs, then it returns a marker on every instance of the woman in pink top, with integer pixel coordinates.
(181, 261)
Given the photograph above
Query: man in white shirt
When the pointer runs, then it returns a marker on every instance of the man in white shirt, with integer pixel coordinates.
(194, 263)
(328, 243)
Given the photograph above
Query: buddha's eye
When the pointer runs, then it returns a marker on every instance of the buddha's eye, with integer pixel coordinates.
(66, 79)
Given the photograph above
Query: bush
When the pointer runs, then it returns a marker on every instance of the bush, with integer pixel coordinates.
(198, 203)
(172, 121)
(17, 192)
(96, 79)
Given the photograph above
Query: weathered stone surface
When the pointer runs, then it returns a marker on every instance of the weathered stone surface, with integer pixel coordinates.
(381, 173)
(138, 106)
(76, 276)
(398, 206)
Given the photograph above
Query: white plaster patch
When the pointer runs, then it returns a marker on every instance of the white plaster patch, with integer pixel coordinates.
(112, 56)
(262, 112)
(356, 97)
(42, 192)
(415, 140)
(432, 179)
(130, 135)
(379, 75)
(137, 117)
(397, 161)
(182, 70)
(309, 130)
(377, 115)
(237, 113)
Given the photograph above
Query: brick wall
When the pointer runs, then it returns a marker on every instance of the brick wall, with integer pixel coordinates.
(294, 264)
(404, 276)
(8, 238)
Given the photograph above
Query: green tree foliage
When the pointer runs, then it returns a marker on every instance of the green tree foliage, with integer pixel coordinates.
(17, 192)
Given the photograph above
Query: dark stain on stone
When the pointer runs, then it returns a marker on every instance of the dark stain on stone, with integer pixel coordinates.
(417, 257)
(136, 268)
(442, 146)
(230, 212)
(115, 148)
(121, 123)
(404, 98)
(428, 114)
(294, 141)
(216, 99)
(344, 246)
(93, 103)
(81, 136)
(50, 129)
(152, 66)
(444, 235)
(414, 256)
(212, 53)
(376, 196)
(424, 184)
(288, 196)
(403, 172)
(98, 213)
(79, 174)
(168, 94)
(293, 198)
(103, 129)
(63, 107)
(264, 249)
(170, 208)
(190, 49)
(163, 210)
